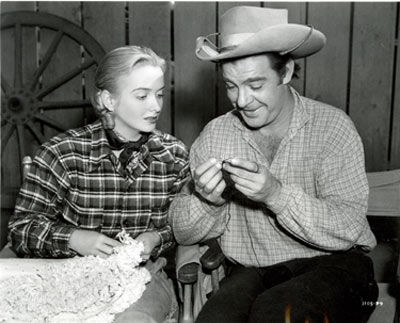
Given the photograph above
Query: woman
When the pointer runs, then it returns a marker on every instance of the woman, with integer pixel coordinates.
(118, 174)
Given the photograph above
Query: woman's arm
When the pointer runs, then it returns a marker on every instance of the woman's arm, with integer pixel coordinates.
(34, 229)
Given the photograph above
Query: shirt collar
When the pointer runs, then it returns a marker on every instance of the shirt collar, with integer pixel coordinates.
(100, 147)
(300, 116)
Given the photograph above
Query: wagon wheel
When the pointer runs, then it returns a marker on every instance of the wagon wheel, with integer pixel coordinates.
(23, 102)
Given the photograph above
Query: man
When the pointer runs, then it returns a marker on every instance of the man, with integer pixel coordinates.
(280, 181)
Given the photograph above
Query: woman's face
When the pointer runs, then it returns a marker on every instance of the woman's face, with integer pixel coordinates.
(138, 101)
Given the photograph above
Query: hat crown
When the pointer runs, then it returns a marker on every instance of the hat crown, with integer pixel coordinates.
(241, 22)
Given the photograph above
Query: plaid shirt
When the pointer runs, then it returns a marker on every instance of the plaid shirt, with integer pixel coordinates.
(323, 202)
(76, 182)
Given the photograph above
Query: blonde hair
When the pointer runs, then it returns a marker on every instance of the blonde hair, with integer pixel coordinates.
(115, 64)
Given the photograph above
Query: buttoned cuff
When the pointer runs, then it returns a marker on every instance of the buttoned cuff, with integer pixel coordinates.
(165, 241)
(60, 241)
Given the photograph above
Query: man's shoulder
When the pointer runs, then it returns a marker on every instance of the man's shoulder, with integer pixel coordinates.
(326, 114)
(221, 123)
(330, 125)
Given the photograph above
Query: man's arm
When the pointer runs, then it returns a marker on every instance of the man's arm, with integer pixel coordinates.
(198, 212)
(335, 218)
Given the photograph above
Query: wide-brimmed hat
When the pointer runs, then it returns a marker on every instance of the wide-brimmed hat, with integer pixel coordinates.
(247, 31)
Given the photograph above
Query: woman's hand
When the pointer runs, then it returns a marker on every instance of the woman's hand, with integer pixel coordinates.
(86, 242)
(150, 240)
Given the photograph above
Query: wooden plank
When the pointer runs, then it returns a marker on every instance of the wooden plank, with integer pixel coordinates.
(99, 15)
(395, 135)
(95, 16)
(10, 161)
(371, 78)
(150, 26)
(384, 193)
(7, 6)
(223, 103)
(297, 12)
(195, 81)
(327, 70)
(66, 58)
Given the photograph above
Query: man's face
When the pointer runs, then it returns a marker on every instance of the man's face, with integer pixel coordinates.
(255, 90)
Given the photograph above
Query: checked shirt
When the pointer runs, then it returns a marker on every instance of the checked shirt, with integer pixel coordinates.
(76, 182)
(323, 202)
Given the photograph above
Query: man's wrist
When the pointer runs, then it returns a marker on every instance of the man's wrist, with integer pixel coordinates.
(276, 191)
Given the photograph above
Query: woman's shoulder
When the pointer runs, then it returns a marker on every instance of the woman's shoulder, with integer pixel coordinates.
(78, 139)
(176, 146)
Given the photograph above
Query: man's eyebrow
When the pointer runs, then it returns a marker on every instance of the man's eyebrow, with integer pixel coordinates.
(255, 79)
(250, 79)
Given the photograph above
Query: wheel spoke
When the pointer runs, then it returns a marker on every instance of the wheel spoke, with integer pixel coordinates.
(6, 133)
(65, 78)
(21, 141)
(49, 121)
(64, 104)
(40, 138)
(5, 86)
(18, 56)
(46, 59)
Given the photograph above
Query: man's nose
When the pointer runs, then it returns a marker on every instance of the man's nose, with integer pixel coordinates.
(243, 99)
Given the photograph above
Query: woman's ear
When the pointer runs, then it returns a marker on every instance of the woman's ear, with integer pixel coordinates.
(107, 100)
(287, 77)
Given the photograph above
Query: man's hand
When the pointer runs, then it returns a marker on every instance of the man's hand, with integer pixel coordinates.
(86, 242)
(209, 182)
(253, 180)
(150, 240)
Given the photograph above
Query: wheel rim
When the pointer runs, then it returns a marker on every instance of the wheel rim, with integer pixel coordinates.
(23, 102)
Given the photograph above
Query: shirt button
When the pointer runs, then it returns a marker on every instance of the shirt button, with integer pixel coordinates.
(126, 223)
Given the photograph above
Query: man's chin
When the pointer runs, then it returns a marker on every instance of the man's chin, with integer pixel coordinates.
(253, 124)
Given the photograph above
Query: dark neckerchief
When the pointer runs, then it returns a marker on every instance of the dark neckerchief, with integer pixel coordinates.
(128, 148)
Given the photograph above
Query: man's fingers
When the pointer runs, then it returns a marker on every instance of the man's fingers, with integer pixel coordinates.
(207, 178)
(236, 172)
(213, 183)
(248, 165)
(203, 168)
(244, 182)
(219, 189)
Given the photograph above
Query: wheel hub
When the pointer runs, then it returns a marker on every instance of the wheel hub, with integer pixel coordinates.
(18, 107)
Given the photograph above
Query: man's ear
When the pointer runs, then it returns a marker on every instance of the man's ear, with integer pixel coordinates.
(287, 77)
(107, 100)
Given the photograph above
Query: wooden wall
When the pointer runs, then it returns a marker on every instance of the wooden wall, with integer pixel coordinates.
(358, 70)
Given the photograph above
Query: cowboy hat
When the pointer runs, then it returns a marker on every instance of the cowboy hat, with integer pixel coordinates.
(252, 30)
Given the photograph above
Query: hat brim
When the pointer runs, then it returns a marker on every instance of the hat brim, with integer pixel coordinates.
(278, 38)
